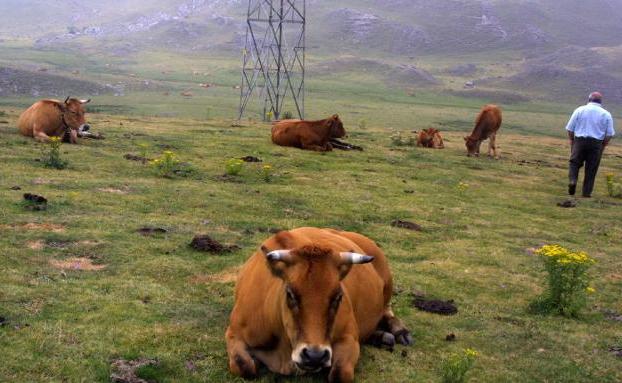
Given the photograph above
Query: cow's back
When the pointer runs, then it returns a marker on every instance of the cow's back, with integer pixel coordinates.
(43, 115)
(286, 132)
(488, 122)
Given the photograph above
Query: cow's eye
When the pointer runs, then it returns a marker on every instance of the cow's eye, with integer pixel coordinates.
(292, 298)
(336, 300)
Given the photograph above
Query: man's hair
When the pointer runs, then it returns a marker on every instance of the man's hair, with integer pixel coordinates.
(596, 97)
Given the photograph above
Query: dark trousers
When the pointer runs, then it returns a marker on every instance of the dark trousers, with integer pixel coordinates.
(586, 151)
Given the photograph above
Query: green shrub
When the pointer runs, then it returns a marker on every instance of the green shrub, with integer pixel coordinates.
(398, 140)
(455, 367)
(234, 166)
(287, 115)
(568, 281)
(51, 156)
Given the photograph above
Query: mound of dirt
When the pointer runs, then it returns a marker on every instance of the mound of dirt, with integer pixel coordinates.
(134, 157)
(462, 70)
(436, 306)
(35, 202)
(207, 244)
(569, 203)
(406, 225)
(250, 159)
(124, 371)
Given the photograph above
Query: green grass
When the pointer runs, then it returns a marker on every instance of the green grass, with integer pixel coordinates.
(159, 299)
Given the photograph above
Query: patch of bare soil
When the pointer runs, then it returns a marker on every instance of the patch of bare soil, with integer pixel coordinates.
(40, 244)
(84, 264)
(226, 276)
(41, 181)
(124, 371)
(47, 227)
(207, 244)
(450, 337)
(436, 306)
(406, 225)
(148, 230)
(122, 191)
(612, 315)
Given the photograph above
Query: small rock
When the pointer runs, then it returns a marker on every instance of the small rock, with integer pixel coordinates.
(616, 351)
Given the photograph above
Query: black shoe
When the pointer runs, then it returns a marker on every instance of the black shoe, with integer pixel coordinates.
(572, 189)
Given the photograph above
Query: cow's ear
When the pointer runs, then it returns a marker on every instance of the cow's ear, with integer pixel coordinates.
(466, 138)
(278, 260)
(335, 117)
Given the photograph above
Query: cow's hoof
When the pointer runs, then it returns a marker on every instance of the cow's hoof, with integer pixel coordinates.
(244, 367)
(382, 339)
(404, 338)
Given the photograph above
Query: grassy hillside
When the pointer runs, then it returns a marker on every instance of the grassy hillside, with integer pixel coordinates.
(155, 297)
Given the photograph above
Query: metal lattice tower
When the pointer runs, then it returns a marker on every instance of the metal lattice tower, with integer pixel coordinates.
(274, 57)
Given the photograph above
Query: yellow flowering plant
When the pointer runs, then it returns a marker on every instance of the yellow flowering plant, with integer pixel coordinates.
(166, 165)
(51, 156)
(266, 173)
(455, 368)
(568, 281)
(234, 166)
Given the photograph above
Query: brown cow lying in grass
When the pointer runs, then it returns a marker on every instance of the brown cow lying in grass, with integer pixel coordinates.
(308, 135)
(486, 126)
(430, 138)
(53, 118)
(306, 299)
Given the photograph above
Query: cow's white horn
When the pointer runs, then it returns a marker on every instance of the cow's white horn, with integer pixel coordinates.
(356, 258)
(85, 101)
(278, 255)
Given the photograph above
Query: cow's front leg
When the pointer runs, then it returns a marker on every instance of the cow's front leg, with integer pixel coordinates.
(479, 145)
(492, 147)
(42, 137)
(73, 136)
(241, 363)
(307, 145)
(345, 356)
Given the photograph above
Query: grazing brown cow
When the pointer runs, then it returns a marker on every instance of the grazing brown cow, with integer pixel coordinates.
(306, 299)
(53, 118)
(486, 126)
(430, 138)
(309, 135)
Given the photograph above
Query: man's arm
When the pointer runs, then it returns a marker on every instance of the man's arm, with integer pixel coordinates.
(610, 131)
(571, 126)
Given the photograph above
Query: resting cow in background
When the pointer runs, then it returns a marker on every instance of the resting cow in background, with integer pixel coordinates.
(306, 299)
(486, 127)
(430, 138)
(309, 135)
(53, 118)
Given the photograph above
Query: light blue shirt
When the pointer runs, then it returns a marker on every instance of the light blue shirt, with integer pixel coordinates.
(591, 120)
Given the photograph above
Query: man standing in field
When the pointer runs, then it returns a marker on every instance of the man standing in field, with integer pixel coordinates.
(590, 129)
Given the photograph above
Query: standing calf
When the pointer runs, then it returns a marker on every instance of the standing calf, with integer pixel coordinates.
(486, 126)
